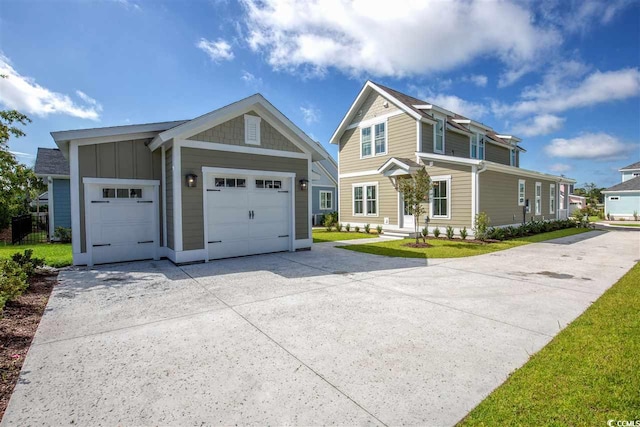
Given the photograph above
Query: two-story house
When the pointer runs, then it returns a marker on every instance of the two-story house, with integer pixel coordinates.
(623, 199)
(386, 134)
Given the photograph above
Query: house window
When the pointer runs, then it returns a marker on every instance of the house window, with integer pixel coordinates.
(122, 193)
(481, 139)
(538, 198)
(365, 199)
(251, 130)
(614, 198)
(379, 132)
(441, 198)
(477, 146)
(513, 157)
(521, 188)
(326, 200)
(552, 198)
(267, 183)
(438, 140)
(230, 182)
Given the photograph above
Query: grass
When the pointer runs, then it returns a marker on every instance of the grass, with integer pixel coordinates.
(594, 218)
(54, 254)
(456, 248)
(320, 236)
(627, 225)
(587, 375)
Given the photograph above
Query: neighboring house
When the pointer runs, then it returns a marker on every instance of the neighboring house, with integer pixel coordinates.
(576, 203)
(386, 134)
(53, 168)
(623, 200)
(324, 187)
(229, 183)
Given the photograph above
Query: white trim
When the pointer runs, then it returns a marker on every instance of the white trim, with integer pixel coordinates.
(537, 205)
(115, 138)
(434, 108)
(446, 178)
(472, 123)
(164, 196)
(449, 159)
(54, 176)
(418, 135)
(50, 203)
(240, 149)
(372, 132)
(552, 192)
(617, 191)
(326, 172)
(365, 211)
(524, 192)
(74, 186)
(176, 164)
(527, 173)
(456, 130)
(117, 181)
(250, 120)
(435, 135)
(374, 120)
(309, 206)
(303, 243)
(253, 172)
(205, 220)
(474, 193)
(325, 192)
(358, 174)
(509, 138)
(68, 135)
(394, 161)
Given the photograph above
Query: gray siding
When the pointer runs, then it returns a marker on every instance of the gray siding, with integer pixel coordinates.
(315, 202)
(169, 177)
(194, 159)
(456, 144)
(61, 203)
(232, 132)
(497, 154)
(122, 160)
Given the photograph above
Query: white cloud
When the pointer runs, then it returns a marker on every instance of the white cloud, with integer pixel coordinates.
(22, 93)
(310, 114)
(219, 50)
(559, 93)
(542, 124)
(382, 39)
(129, 4)
(251, 80)
(477, 79)
(560, 167)
(458, 105)
(589, 146)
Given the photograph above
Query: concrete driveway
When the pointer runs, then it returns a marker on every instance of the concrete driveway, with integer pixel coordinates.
(321, 337)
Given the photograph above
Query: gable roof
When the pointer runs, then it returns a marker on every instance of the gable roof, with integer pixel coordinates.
(633, 166)
(632, 184)
(51, 161)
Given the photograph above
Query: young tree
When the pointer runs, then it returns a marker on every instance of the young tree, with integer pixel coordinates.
(415, 190)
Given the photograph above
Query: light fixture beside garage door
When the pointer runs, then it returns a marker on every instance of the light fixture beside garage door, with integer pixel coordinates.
(191, 180)
(304, 184)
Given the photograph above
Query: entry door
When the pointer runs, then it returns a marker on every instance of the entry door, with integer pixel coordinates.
(407, 219)
(247, 215)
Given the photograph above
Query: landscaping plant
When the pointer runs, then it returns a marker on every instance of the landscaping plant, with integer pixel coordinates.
(635, 215)
(425, 233)
(449, 232)
(463, 233)
(379, 229)
(415, 191)
(338, 226)
(357, 229)
(367, 228)
(481, 225)
(436, 232)
(347, 227)
(27, 262)
(63, 234)
(13, 281)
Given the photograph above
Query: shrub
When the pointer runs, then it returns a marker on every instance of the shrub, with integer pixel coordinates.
(13, 281)
(367, 228)
(63, 234)
(379, 229)
(464, 233)
(329, 220)
(347, 227)
(481, 224)
(635, 215)
(449, 232)
(27, 262)
(338, 226)
(425, 232)
(495, 233)
(436, 232)
(608, 216)
(357, 229)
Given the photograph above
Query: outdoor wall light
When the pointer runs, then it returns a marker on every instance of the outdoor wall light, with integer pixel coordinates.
(304, 184)
(191, 180)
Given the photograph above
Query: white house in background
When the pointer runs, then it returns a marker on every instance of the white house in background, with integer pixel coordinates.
(324, 188)
(623, 200)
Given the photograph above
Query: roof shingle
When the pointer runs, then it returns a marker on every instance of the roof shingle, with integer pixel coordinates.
(635, 165)
(628, 185)
(51, 161)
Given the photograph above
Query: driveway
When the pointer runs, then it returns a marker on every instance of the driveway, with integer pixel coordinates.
(326, 336)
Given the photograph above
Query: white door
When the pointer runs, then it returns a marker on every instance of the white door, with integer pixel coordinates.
(247, 214)
(407, 218)
(121, 222)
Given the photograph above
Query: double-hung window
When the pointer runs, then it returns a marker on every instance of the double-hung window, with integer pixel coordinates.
(521, 188)
(552, 198)
(441, 197)
(438, 139)
(477, 146)
(373, 140)
(481, 139)
(513, 157)
(365, 199)
(538, 198)
(326, 200)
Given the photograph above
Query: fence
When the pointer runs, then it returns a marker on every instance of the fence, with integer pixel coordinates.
(30, 228)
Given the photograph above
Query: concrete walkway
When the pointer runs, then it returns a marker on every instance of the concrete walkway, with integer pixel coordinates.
(326, 336)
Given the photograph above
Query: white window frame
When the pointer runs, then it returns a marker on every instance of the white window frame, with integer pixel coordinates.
(538, 198)
(435, 134)
(482, 146)
(473, 143)
(477, 141)
(248, 121)
(513, 157)
(446, 178)
(614, 198)
(552, 198)
(372, 131)
(330, 205)
(365, 210)
(522, 194)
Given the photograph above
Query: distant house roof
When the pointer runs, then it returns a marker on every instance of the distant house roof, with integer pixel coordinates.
(51, 161)
(633, 166)
(629, 185)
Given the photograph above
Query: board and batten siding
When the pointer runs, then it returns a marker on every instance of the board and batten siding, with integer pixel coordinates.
(373, 107)
(168, 158)
(193, 159)
(401, 142)
(460, 195)
(121, 160)
(499, 197)
(232, 132)
(387, 201)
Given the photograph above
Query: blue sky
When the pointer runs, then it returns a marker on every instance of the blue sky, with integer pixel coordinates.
(561, 75)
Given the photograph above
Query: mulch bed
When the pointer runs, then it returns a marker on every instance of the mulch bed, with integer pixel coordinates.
(5, 235)
(417, 245)
(18, 324)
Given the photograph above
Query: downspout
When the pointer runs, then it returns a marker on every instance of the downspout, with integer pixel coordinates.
(475, 209)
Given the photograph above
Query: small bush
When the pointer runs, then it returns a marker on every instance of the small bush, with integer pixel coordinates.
(62, 234)
(436, 232)
(425, 232)
(347, 227)
(329, 220)
(13, 281)
(27, 262)
(464, 233)
(379, 229)
(357, 229)
(635, 215)
(481, 224)
(449, 232)
(339, 227)
(367, 228)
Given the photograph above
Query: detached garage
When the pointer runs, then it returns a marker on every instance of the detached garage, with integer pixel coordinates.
(232, 182)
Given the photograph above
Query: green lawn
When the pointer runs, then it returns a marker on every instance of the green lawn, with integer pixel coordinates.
(587, 375)
(320, 236)
(594, 218)
(622, 224)
(453, 248)
(54, 254)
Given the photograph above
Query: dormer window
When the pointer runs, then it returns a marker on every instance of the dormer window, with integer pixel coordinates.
(251, 129)
(373, 140)
(477, 146)
(438, 139)
(513, 157)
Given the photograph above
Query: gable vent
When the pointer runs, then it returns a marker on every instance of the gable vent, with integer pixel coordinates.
(251, 129)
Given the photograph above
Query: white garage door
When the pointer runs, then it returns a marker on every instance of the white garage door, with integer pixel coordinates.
(248, 214)
(121, 222)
